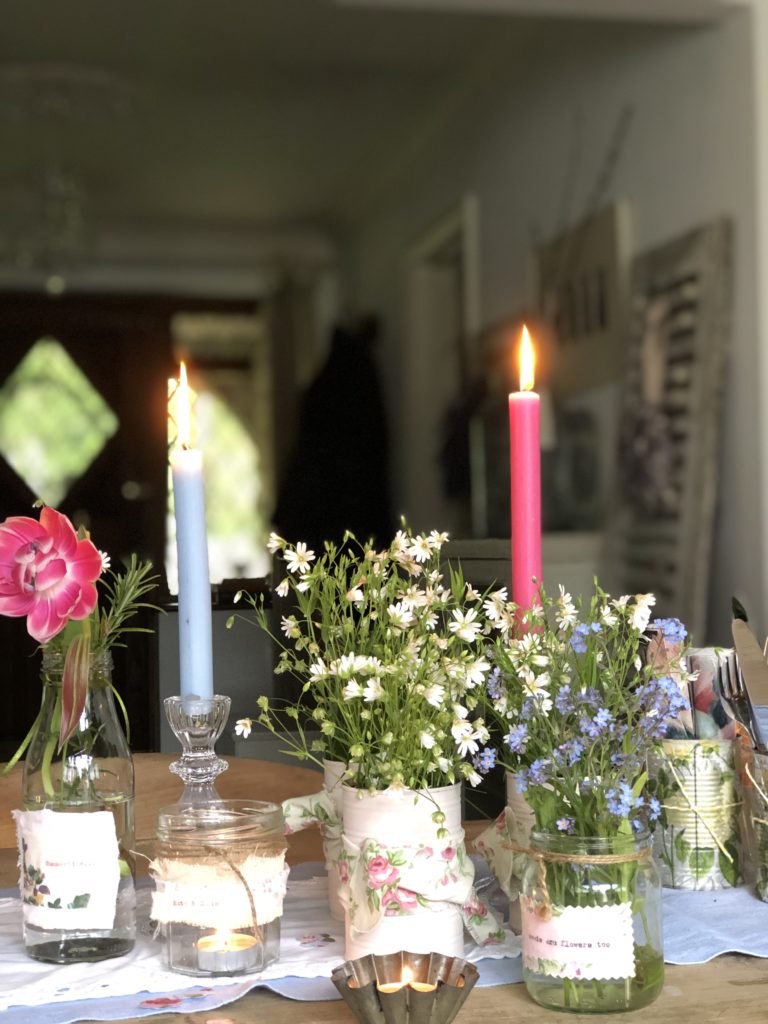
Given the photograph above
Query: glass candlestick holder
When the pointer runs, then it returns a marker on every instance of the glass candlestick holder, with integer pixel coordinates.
(197, 723)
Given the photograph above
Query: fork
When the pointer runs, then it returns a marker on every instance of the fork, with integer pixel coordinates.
(735, 695)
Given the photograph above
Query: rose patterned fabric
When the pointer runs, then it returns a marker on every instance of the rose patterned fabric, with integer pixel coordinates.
(317, 809)
(495, 844)
(385, 881)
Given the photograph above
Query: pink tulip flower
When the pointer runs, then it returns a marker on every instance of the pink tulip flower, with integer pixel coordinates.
(46, 573)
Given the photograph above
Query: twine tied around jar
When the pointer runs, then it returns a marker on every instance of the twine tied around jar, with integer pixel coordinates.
(193, 846)
(554, 857)
(701, 813)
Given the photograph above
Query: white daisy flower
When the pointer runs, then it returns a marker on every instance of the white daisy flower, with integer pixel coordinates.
(565, 613)
(243, 727)
(476, 670)
(352, 690)
(344, 666)
(427, 740)
(290, 626)
(283, 587)
(507, 622)
(373, 690)
(355, 595)
(420, 549)
(607, 616)
(464, 624)
(400, 543)
(534, 684)
(494, 604)
(467, 744)
(437, 539)
(641, 613)
(299, 559)
(414, 597)
(274, 543)
(434, 694)
(471, 593)
(399, 615)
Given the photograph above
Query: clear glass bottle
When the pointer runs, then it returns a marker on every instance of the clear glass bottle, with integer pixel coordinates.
(591, 915)
(220, 879)
(90, 775)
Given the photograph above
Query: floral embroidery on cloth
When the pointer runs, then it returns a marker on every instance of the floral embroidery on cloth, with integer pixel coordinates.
(386, 881)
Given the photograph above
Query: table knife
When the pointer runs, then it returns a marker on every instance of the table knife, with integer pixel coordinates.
(752, 662)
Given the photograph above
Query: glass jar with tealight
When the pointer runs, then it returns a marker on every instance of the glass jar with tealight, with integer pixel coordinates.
(220, 880)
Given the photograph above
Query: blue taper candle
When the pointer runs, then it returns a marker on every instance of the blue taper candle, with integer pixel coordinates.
(195, 627)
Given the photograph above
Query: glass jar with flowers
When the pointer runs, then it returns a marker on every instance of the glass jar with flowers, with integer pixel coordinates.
(75, 832)
(390, 657)
(579, 707)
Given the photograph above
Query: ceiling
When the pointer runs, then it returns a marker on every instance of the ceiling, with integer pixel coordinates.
(243, 115)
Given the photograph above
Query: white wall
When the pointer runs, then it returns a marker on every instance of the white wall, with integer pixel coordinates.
(689, 157)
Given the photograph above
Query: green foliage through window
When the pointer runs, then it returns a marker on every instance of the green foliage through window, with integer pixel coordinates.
(53, 422)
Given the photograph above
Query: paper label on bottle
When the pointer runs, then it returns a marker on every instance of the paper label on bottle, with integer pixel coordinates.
(69, 868)
(594, 943)
(213, 896)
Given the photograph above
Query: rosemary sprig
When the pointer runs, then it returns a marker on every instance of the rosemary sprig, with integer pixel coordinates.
(124, 593)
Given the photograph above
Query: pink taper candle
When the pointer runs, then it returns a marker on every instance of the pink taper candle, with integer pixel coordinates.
(525, 478)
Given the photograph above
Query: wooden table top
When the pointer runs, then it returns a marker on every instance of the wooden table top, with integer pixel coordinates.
(732, 988)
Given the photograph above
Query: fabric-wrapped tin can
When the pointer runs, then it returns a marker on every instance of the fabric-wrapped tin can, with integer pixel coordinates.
(758, 814)
(697, 839)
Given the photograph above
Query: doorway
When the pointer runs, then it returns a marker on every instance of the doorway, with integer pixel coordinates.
(443, 317)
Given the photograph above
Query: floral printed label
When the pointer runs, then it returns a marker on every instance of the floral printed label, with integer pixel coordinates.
(578, 942)
(70, 868)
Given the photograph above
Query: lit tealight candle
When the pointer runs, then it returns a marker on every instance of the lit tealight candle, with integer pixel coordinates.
(422, 986)
(406, 981)
(394, 986)
(227, 953)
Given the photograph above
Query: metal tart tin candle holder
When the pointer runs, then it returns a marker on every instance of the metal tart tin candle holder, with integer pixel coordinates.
(220, 879)
(405, 988)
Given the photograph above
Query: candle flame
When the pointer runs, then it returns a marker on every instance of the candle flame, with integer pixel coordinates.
(407, 976)
(527, 361)
(182, 410)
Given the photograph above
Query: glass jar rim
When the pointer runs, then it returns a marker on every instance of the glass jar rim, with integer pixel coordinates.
(221, 823)
(542, 839)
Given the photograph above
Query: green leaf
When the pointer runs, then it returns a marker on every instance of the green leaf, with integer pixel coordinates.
(682, 848)
(730, 868)
(702, 862)
(80, 901)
